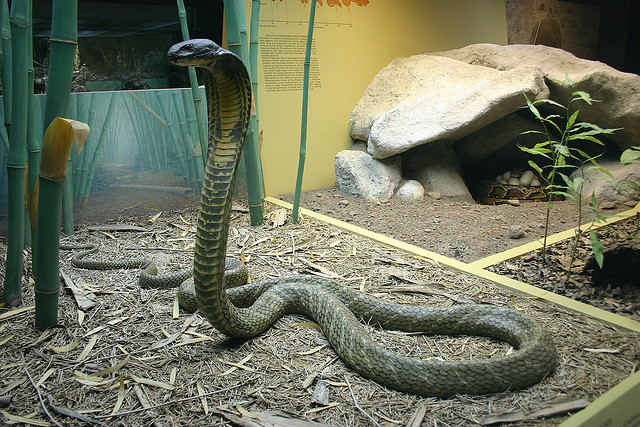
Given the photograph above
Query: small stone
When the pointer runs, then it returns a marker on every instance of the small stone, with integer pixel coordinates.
(513, 181)
(318, 195)
(410, 190)
(607, 205)
(516, 232)
(435, 195)
(514, 202)
(631, 203)
(343, 202)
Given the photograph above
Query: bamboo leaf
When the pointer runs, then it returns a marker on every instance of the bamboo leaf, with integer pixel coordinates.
(579, 94)
(16, 419)
(118, 405)
(597, 248)
(630, 155)
(153, 383)
(572, 119)
(65, 348)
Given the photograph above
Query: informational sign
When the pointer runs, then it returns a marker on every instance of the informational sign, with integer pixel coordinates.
(283, 62)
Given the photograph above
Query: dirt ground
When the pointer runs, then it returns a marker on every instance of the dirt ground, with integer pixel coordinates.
(132, 348)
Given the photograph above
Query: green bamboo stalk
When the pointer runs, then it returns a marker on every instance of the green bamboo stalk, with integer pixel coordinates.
(16, 160)
(6, 64)
(193, 80)
(33, 142)
(303, 126)
(96, 153)
(64, 39)
(56, 148)
(237, 42)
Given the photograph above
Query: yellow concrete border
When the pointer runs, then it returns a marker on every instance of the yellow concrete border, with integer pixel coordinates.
(554, 238)
(617, 407)
(501, 281)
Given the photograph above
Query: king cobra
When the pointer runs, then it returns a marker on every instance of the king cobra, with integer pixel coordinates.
(248, 310)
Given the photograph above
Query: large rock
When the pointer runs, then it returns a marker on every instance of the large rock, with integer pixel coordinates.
(437, 167)
(601, 185)
(360, 174)
(618, 92)
(496, 135)
(426, 98)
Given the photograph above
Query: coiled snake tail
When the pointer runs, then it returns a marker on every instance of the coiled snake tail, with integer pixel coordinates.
(248, 310)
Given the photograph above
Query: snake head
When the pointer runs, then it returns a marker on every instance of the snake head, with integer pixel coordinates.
(194, 52)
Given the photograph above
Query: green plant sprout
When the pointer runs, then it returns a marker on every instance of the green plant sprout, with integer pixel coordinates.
(561, 150)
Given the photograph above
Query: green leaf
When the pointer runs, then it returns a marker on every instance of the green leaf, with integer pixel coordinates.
(551, 102)
(597, 248)
(535, 166)
(579, 94)
(572, 119)
(630, 155)
(562, 149)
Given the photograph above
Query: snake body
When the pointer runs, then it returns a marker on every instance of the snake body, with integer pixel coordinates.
(248, 310)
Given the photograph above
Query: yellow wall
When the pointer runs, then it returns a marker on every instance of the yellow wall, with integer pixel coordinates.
(352, 44)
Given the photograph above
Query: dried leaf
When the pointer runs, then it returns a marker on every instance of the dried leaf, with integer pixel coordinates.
(112, 369)
(25, 420)
(313, 350)
(88, 347)
(65, 348)
(246, 413)
(203, 399)
(602, 350)
(90, 380)
(121, 390)
(155, 217)
(15, 312)
(153, 383)
(44, 376)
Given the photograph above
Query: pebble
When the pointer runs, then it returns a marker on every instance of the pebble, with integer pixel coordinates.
(608, 205)
(343, 202)
(631, 203)
(514, 202)
(516, 232)
(435, 194)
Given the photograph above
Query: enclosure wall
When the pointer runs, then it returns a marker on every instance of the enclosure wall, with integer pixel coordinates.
(351, 44)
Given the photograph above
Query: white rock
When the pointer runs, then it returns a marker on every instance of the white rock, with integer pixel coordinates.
(603, 189)
(526, 178)
(410, 190)
(360, 174)
(619, 105)
(453, 110)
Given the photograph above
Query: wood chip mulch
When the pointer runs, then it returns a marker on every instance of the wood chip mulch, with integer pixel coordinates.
(131, 358)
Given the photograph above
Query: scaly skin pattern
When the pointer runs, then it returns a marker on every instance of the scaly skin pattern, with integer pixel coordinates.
(248, 310)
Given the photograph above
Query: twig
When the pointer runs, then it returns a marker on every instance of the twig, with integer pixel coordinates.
(160, 405)
(355, 402)
(46, 411)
